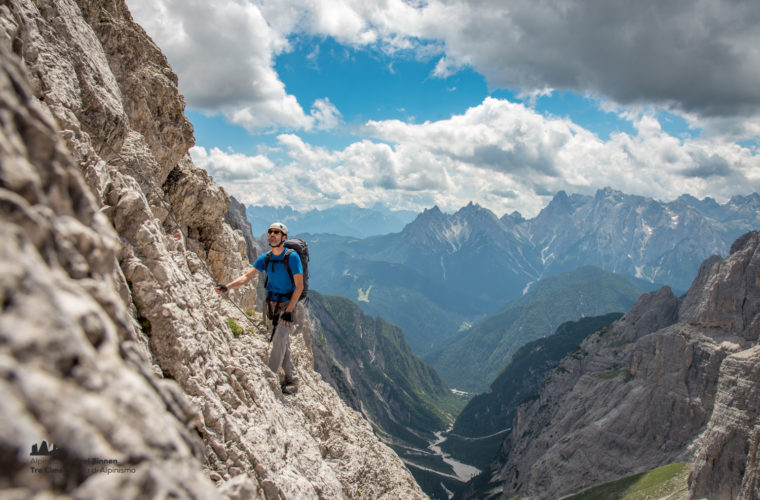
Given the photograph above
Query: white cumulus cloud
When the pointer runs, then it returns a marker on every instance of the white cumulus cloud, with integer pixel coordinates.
(501, 154)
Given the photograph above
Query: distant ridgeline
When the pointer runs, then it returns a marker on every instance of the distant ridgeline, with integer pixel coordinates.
(344, 220)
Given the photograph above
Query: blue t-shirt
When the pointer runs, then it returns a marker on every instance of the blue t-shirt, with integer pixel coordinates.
(279, 279)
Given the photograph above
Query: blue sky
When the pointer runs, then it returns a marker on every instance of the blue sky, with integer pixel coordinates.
(367, 85)
(415, 103)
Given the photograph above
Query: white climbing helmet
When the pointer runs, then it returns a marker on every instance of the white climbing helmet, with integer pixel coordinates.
(280, 227)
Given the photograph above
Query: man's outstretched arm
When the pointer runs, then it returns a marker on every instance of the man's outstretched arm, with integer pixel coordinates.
(239, 281)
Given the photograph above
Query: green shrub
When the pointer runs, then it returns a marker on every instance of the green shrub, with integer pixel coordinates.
(237, 330)
(321, 340)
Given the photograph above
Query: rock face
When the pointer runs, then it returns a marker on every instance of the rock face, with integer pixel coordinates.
(237, 219)
(673, 380)
(488, 416)
(113, 344)
(727, 452)
(71, 369)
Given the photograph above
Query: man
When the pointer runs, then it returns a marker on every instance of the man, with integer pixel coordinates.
(281, 299)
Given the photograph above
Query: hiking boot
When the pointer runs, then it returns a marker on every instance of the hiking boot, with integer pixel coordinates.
(290, 385)
(289, 389)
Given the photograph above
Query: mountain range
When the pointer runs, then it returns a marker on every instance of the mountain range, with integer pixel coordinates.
(444, 272)
(343, 220)
(638, 236)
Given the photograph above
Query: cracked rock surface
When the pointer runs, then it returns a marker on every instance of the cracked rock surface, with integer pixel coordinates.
(113, 344)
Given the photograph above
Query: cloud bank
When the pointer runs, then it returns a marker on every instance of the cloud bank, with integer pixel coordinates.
(695, 57)
(501, 154)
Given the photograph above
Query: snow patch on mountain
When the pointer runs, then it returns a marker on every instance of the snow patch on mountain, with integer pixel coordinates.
(363, 295)
(548, 257)
(456, 233)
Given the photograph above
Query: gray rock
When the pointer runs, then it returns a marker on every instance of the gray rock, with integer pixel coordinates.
(237, 219)
(64, 376)
(113, 343)
(652, 312)
(672, 381)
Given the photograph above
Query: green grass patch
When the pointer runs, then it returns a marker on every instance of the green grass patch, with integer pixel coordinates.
(627, 375)
(606, 331)
(321, 340)
(237, 330)
(664, 482)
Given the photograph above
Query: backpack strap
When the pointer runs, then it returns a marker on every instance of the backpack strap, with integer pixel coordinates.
(266, 268)
(286, 261)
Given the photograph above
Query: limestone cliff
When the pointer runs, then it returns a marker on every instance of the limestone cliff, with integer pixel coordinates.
(673, 380)
(113, 345)
(238, 221)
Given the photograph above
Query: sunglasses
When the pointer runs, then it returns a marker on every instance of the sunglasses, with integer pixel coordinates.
(274, 231)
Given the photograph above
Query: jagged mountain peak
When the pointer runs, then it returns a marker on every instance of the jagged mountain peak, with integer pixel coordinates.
(560, 202)
(513, 219)
(608, 192)
(562, 205)
(432, 213)
(475, 211)
(751, 199)
(726, 292)
(693, 200)
(429, 218)
(470, 225)
(611, 197)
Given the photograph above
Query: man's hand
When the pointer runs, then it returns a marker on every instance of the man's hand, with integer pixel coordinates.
(237, 282)
(287, 318)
